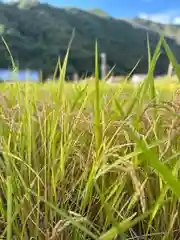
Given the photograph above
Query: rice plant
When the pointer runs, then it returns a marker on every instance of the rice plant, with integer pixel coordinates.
(89, 160)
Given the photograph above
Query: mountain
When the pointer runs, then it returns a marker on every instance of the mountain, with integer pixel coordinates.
(37, 34)
(169, 30)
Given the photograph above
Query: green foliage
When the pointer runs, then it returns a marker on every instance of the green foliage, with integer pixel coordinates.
(98, 12)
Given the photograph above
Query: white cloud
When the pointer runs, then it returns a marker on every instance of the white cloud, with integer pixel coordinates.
(177, 20)
(172, 16)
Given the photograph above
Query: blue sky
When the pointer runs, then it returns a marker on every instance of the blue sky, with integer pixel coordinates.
(166, 11)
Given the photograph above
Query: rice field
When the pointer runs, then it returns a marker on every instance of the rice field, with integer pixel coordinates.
(90, 160)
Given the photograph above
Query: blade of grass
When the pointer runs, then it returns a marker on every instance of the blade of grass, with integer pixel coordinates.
(97, 102)
(58, 66)
(9, 208)
(11, 57)
(171, 58)
(109, 73)
(129, 75)
(123, 226)
(149, 52)
(64, 68)
(149, 80)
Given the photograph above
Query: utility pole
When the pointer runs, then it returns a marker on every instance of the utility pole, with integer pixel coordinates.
(170, 70)
(75, 77)
(103, 65)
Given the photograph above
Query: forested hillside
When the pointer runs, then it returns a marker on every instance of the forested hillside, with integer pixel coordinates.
(37, 34)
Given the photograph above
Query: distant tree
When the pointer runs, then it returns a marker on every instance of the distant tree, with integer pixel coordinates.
(27, 3)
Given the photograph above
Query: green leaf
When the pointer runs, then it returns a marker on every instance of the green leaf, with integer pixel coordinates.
(172, 59)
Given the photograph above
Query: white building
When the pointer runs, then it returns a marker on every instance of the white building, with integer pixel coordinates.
(138, 78)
